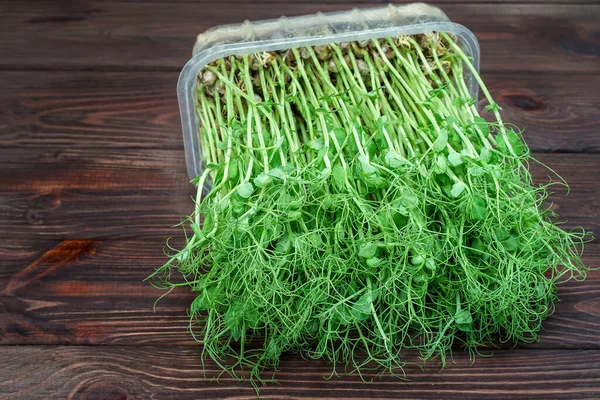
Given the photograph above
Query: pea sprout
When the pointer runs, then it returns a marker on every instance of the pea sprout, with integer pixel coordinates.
(360, 207)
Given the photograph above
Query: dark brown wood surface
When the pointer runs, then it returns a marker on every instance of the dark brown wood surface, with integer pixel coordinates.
(92, 180)
(157, 372)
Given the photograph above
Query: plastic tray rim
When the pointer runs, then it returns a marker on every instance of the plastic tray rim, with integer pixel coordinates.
(187, 77)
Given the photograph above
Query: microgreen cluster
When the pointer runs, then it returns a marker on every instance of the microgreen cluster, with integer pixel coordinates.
(360, 207)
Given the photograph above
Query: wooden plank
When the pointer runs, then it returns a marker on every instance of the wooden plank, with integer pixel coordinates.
(551, 108)
(92, 193)
(174, 372)
(116, 109)
(92, 292)
(100, 34)
(96, 193)
(123, 109)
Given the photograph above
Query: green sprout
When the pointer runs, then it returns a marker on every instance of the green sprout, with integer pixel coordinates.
(360, 207)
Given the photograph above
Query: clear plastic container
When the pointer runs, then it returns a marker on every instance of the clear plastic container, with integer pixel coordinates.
(309, 30)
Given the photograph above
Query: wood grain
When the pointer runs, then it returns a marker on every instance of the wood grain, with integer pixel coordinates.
(97, 194)
(99, 34)
(92, 292)
(139, 109)
(89, 109)
(176, 372)
(92, 177)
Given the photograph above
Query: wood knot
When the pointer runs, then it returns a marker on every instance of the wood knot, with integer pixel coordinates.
(34, 217)
(522, 101)
(583, 47)
(48, 263)
(17, 330)
(48, 201)
(39, 205)
(69, 250)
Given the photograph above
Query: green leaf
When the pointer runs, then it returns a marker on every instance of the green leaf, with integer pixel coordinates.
(482, 125)
(402, 210)
(362, 308)
(315, 240)
(233, 172)
(399, 207)
(278, 173)
(515, 142)
(221, 145)
(457, 189)
(339, 176)
(342, 314)
(327, 202)
(478, 208)
(196, 180)
(455, 159)
(417, 260)
(200, 303)
(463, 320)
(272, 350)
(294, 215)
(312, 326)
(287, 169)
(252, 317)
(409, 201)
(502, 235)
(285, 201)
(245, 190)
(442, 140)
(372, 95)
(510, 244)
(340, 135)
(213, 166)
(423, 170)
(316, 144)
(242, 224)
(237, 206)
(419, 278)
(475, 170)
(393, 159)
(485, 155)
(233, 320)
(371, 148)
(541, 290)
(325, 173)
(438, 93)
(321, 154)
(284, 245)
(440, 162)
(430, 264)
(280, 140)
(493, 107)
(367, 250)
(262, 180)
(501, 144)
(369, 172)
(477, 247)
(373, 262)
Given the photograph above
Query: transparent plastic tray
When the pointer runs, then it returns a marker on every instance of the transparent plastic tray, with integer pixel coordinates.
(309, 30)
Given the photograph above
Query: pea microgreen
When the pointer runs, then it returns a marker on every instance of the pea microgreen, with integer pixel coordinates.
(359, 207)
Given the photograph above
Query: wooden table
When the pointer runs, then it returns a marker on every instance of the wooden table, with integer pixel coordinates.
(92, 177)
